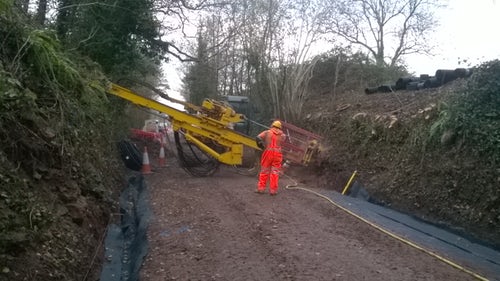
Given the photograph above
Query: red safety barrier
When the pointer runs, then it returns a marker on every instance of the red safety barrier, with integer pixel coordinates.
(297, 143)
(140, 134)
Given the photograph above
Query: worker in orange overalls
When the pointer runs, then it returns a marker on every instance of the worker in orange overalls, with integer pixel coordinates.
(270, 142)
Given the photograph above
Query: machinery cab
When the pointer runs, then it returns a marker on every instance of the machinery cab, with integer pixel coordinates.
(241, 104)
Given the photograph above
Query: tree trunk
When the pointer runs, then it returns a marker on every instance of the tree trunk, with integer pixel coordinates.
(41, 12)
(336, 78)
(64, 16)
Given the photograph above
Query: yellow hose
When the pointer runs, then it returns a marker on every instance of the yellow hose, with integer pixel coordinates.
(479, 277)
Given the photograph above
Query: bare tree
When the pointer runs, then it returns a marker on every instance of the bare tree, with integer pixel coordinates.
(401, 26)
(295, 63)
(177, 16)
(41, 13)
(261, 48)
(291, 88)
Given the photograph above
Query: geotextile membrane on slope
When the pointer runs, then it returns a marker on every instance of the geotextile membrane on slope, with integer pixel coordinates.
(126, 243)
(456, 246)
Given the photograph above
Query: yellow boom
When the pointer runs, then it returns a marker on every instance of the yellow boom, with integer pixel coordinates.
(211, 123)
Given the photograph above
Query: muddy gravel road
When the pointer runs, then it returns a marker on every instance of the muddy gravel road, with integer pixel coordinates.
(218, 228)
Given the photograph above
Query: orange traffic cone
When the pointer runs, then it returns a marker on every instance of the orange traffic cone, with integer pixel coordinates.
(161, 159)
(146, 167)
(164, 139)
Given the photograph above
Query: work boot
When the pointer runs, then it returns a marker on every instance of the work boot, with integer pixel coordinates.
(259, 191)
(273, 193)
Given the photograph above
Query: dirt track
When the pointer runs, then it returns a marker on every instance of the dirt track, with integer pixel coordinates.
(217, 228)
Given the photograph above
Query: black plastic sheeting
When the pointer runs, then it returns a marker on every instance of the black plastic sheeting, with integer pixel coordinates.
(358, 191)
(424, 81)
(126, 244)
(454, 245)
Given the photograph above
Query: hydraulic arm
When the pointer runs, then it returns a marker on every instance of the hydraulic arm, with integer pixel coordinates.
(209, 128)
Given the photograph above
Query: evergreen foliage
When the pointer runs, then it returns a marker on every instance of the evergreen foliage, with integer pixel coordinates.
(473, 114)
(55, 137)
(123, 37)
(200, 81)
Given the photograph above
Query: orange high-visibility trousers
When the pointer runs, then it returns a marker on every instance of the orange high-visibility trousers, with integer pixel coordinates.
(270, 163)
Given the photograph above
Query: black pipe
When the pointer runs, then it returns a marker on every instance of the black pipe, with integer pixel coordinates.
(445, 75)
(463, 72)
(424, 76)
(412, 86)
(432, 82)
(385, 88)
(401, 83)
(369, 91)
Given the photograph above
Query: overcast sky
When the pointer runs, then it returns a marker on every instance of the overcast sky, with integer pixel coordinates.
(469, 30)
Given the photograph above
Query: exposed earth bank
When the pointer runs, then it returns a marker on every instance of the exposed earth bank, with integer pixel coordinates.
(412, 155)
